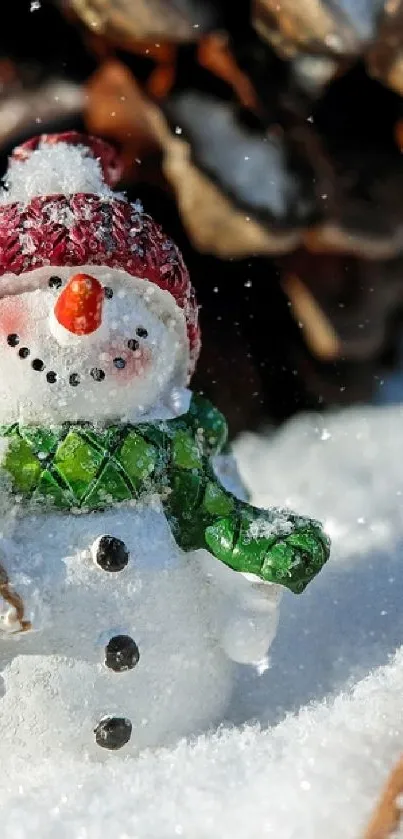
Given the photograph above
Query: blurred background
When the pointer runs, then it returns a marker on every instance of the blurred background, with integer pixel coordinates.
(267, 139)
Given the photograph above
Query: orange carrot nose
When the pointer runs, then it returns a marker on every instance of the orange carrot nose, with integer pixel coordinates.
(79, 306)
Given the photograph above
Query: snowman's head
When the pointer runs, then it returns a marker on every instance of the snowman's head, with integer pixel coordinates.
(98, 321)
(93, 344)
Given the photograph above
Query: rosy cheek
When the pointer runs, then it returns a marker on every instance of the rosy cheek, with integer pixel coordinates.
(134, 364)
(14, 317)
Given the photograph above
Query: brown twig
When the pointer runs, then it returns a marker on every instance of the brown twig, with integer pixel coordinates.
(15, 600)
(388, 813)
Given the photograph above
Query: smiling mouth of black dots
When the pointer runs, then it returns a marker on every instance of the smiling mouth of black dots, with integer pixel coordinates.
(96, 373)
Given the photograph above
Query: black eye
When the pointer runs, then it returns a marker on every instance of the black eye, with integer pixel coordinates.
(74, 379)
(51, 377)
(133, 344)
(37, 364)
(97, 374)
(108, 292)
(13, 340)
(119, 363)
(141, 332)
(54, 282)
(24, 352)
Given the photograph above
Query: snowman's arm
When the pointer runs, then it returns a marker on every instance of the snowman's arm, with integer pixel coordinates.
(245, 612)
(274, 545)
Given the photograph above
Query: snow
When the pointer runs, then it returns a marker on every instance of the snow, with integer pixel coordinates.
(316, 774)
(305, 747)
(59, 169)
(318, 458)
(281, 525)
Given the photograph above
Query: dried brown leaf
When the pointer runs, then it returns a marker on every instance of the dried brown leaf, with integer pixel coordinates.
(120, 20)
(23, 109)
(212, 222)
(319, 333)
(116, 108)
(291, 25)
(385, 57)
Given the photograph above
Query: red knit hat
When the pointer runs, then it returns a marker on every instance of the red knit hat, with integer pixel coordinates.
(82, 222)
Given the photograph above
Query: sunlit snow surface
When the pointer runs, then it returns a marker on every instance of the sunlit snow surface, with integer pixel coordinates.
(305, 775)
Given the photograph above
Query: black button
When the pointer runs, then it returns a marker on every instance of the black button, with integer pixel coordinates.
(54, 282)
(74, 379)
(97, 374)
(141, 332)
(113, 732)
(51, 376)
(13, 339)
(110, 553)
(122, 653)
(23, 352)
(133, 344)
(38, 364)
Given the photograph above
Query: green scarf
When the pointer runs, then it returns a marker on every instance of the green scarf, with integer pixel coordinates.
(78, 467)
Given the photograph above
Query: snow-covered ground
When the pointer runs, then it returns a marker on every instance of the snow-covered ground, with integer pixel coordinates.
(273, 769)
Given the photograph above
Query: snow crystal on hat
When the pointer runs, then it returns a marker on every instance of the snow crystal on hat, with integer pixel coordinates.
(60, 164)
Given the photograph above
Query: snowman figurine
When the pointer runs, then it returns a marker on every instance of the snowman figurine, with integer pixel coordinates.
(132, 581)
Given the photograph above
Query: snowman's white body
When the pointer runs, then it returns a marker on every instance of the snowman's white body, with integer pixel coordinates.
(186, 620)
(191, 617)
